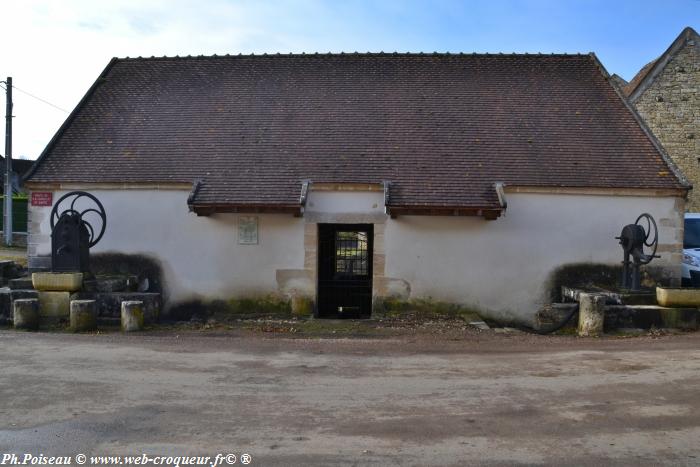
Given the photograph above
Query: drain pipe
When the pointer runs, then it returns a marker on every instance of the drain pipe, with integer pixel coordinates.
(559, 325)
(501, 192)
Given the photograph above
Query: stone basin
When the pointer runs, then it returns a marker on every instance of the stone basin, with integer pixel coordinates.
(678, 297)
(58, 281)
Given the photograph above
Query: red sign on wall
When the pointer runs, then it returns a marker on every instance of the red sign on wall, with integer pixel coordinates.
(42, 198)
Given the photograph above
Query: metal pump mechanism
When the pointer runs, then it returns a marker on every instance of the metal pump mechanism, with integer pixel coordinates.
(633, 239)
(72, 234)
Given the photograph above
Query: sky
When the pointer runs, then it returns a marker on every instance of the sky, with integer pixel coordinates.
(55, 49)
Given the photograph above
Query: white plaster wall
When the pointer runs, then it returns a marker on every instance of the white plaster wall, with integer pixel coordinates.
(200, 255)
(502, 266)
(345, 207)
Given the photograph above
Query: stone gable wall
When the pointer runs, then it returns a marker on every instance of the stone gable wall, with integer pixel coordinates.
(671, 109)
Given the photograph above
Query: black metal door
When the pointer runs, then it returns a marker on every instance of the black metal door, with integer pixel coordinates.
(345, 270)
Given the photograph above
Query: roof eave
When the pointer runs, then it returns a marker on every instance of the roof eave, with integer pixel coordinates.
(207, 209)
(487, 212)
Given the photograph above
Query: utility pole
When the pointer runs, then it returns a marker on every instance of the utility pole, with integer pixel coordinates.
(7, 211)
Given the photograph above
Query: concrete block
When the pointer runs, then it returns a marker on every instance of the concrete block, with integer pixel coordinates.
(132, 316)
(26, 314)
(57, 281)
(83, 315)
(54, 305)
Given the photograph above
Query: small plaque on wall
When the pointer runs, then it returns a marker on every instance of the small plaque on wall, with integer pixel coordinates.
(248, 230)
(42, 198)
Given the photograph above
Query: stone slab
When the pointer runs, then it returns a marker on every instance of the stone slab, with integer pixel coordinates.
(21, 283)
(613, 298)
(480, 325)
(54, 305)
(23, 293)
(117, 283)
(57, 281)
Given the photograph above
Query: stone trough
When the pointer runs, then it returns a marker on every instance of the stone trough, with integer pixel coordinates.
(684, 297)
(639, 310)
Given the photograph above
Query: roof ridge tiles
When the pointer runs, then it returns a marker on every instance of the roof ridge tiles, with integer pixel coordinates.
(380, 54)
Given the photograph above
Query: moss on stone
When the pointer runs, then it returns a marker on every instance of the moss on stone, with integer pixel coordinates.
(268, 306)
(680, 318)
(302, 307)
(423, 308)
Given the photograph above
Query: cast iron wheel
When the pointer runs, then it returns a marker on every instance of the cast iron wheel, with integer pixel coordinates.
(654, 242)
(98, 209)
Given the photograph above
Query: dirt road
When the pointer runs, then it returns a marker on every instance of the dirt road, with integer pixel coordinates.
(473, 400)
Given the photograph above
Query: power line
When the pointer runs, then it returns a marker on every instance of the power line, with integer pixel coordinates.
(40, 99)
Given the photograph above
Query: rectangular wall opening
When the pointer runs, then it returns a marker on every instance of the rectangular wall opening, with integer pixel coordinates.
(345, 270)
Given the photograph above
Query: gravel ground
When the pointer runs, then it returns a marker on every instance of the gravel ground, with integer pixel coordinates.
(433, 394)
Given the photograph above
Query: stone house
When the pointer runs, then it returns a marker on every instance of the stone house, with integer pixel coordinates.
(353, 180)
(666, 93)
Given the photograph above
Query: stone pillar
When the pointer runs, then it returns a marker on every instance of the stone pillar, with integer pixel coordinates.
(26, 313)
(591, 314)
(132, 316)
(83, 315)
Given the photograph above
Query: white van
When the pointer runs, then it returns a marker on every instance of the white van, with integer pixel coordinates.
(691, 250)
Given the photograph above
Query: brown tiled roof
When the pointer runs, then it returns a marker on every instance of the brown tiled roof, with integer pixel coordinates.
(634, 82)
(442, 128)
